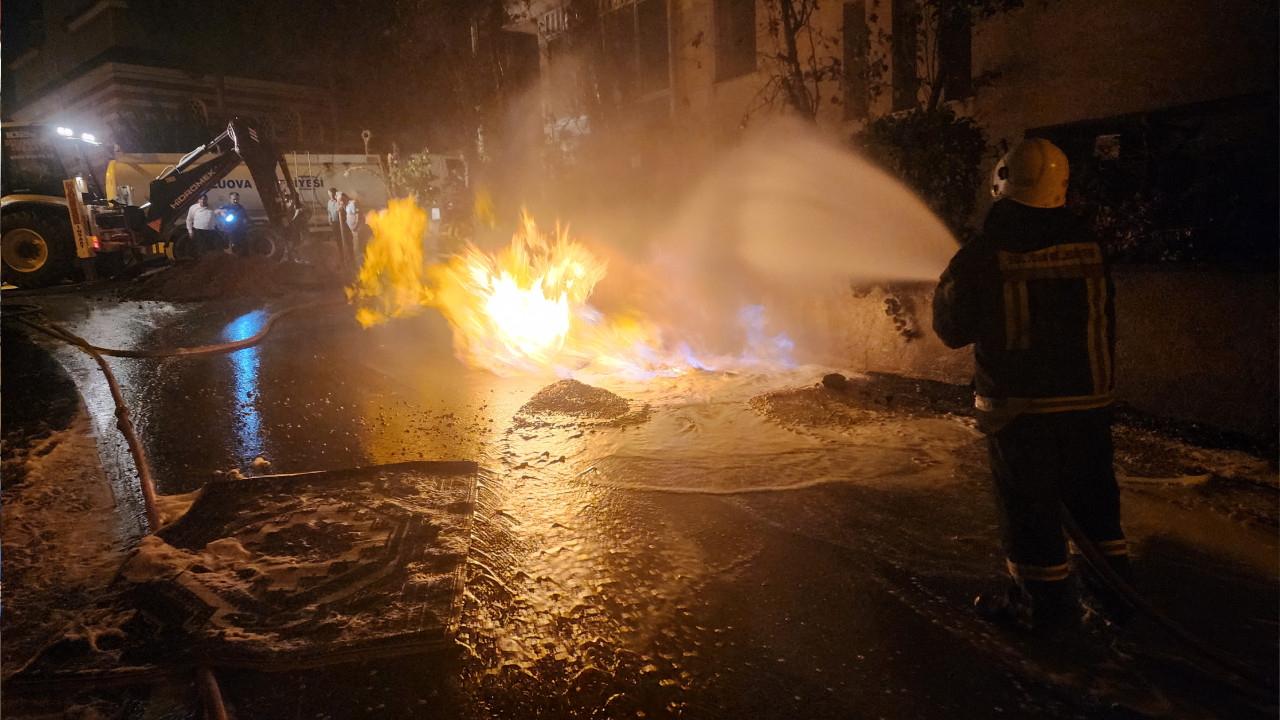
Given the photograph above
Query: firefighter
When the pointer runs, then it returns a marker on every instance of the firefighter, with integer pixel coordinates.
(1032, 293)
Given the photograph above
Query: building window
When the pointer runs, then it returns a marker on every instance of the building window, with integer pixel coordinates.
(905, 30)
(857, 39)
(955, 55)
(735, 38)
(520, 59)
(636, 46)
(551, 24)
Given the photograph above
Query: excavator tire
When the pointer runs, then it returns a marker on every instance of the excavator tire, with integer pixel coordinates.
(184, 246)
(264, 243)
(35, 250)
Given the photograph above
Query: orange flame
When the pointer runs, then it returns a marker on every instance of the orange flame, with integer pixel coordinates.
(523, 309)
(393, 279)
(516, 309)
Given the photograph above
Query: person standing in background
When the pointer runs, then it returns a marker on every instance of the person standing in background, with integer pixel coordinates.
(355, 223)
(235, 225)
(201, 227)
(348, 243)
(336, 221)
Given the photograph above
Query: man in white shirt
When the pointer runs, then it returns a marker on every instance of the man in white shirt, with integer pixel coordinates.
(353, 217)
(350, 214)
(200, 225)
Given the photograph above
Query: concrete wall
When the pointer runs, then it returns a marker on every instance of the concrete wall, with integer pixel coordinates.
(1043, 64)
(73, 32)
(1196, 345)
(852, 327)
(1071, 60)
(1200, 345)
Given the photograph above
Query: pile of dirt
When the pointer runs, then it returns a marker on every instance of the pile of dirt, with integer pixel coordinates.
(842, 401)
(219, 275)
(570, 397)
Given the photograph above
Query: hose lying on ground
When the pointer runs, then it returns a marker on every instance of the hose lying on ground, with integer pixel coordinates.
(211, 697)
(24, 313)
(1094, 558)
(225, 347)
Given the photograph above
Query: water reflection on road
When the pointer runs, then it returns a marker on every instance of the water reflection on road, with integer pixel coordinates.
(244, 372)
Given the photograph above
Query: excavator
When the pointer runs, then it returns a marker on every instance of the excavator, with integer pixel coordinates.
(55, 221)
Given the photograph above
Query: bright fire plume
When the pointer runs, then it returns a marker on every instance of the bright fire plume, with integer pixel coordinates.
(393, 278)
(523, 309)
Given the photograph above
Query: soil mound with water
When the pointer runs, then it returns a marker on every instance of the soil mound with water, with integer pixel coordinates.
(840, 401)
(570, 397)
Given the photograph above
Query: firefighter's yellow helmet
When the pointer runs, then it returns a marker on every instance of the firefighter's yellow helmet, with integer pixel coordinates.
(1033, 173)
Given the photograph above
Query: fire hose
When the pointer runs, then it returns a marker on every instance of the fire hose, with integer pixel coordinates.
(208, 684)
(23, 314)
(1098, 563)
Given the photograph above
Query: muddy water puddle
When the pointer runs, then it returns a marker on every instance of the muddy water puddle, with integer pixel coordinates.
(731, 557)
(646, 567)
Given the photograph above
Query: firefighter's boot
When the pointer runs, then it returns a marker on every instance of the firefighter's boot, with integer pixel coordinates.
(1041, 608)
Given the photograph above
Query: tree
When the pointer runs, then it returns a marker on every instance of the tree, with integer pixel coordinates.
(934, 150)
(799, 59)
(413, 176)
(934, 22)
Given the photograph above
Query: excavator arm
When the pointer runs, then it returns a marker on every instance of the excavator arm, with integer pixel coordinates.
(199, 170)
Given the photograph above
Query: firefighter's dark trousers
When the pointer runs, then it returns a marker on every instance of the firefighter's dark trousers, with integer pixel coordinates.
(1040, 462)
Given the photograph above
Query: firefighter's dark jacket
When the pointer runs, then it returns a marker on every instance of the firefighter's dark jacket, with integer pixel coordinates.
(1033, 294)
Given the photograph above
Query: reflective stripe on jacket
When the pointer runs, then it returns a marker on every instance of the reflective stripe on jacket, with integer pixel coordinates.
(1033, 294)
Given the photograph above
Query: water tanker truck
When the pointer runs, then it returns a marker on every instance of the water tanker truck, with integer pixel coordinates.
(129, 175)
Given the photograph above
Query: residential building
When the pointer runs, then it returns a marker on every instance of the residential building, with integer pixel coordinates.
(102, 68)
(695, 72)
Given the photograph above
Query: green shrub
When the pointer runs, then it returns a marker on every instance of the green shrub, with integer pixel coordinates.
(935, 153)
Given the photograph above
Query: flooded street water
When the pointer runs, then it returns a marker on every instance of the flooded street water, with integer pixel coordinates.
(720, 552)
(706, 562)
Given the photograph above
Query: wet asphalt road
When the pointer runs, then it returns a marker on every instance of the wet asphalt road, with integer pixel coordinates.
(702, 566)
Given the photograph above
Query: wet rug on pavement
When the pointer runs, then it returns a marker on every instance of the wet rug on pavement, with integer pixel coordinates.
(285, 570)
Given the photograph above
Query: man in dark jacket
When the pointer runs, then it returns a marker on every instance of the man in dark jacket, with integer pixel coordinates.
(1034, 297)
(234, 220)
(336, 221)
